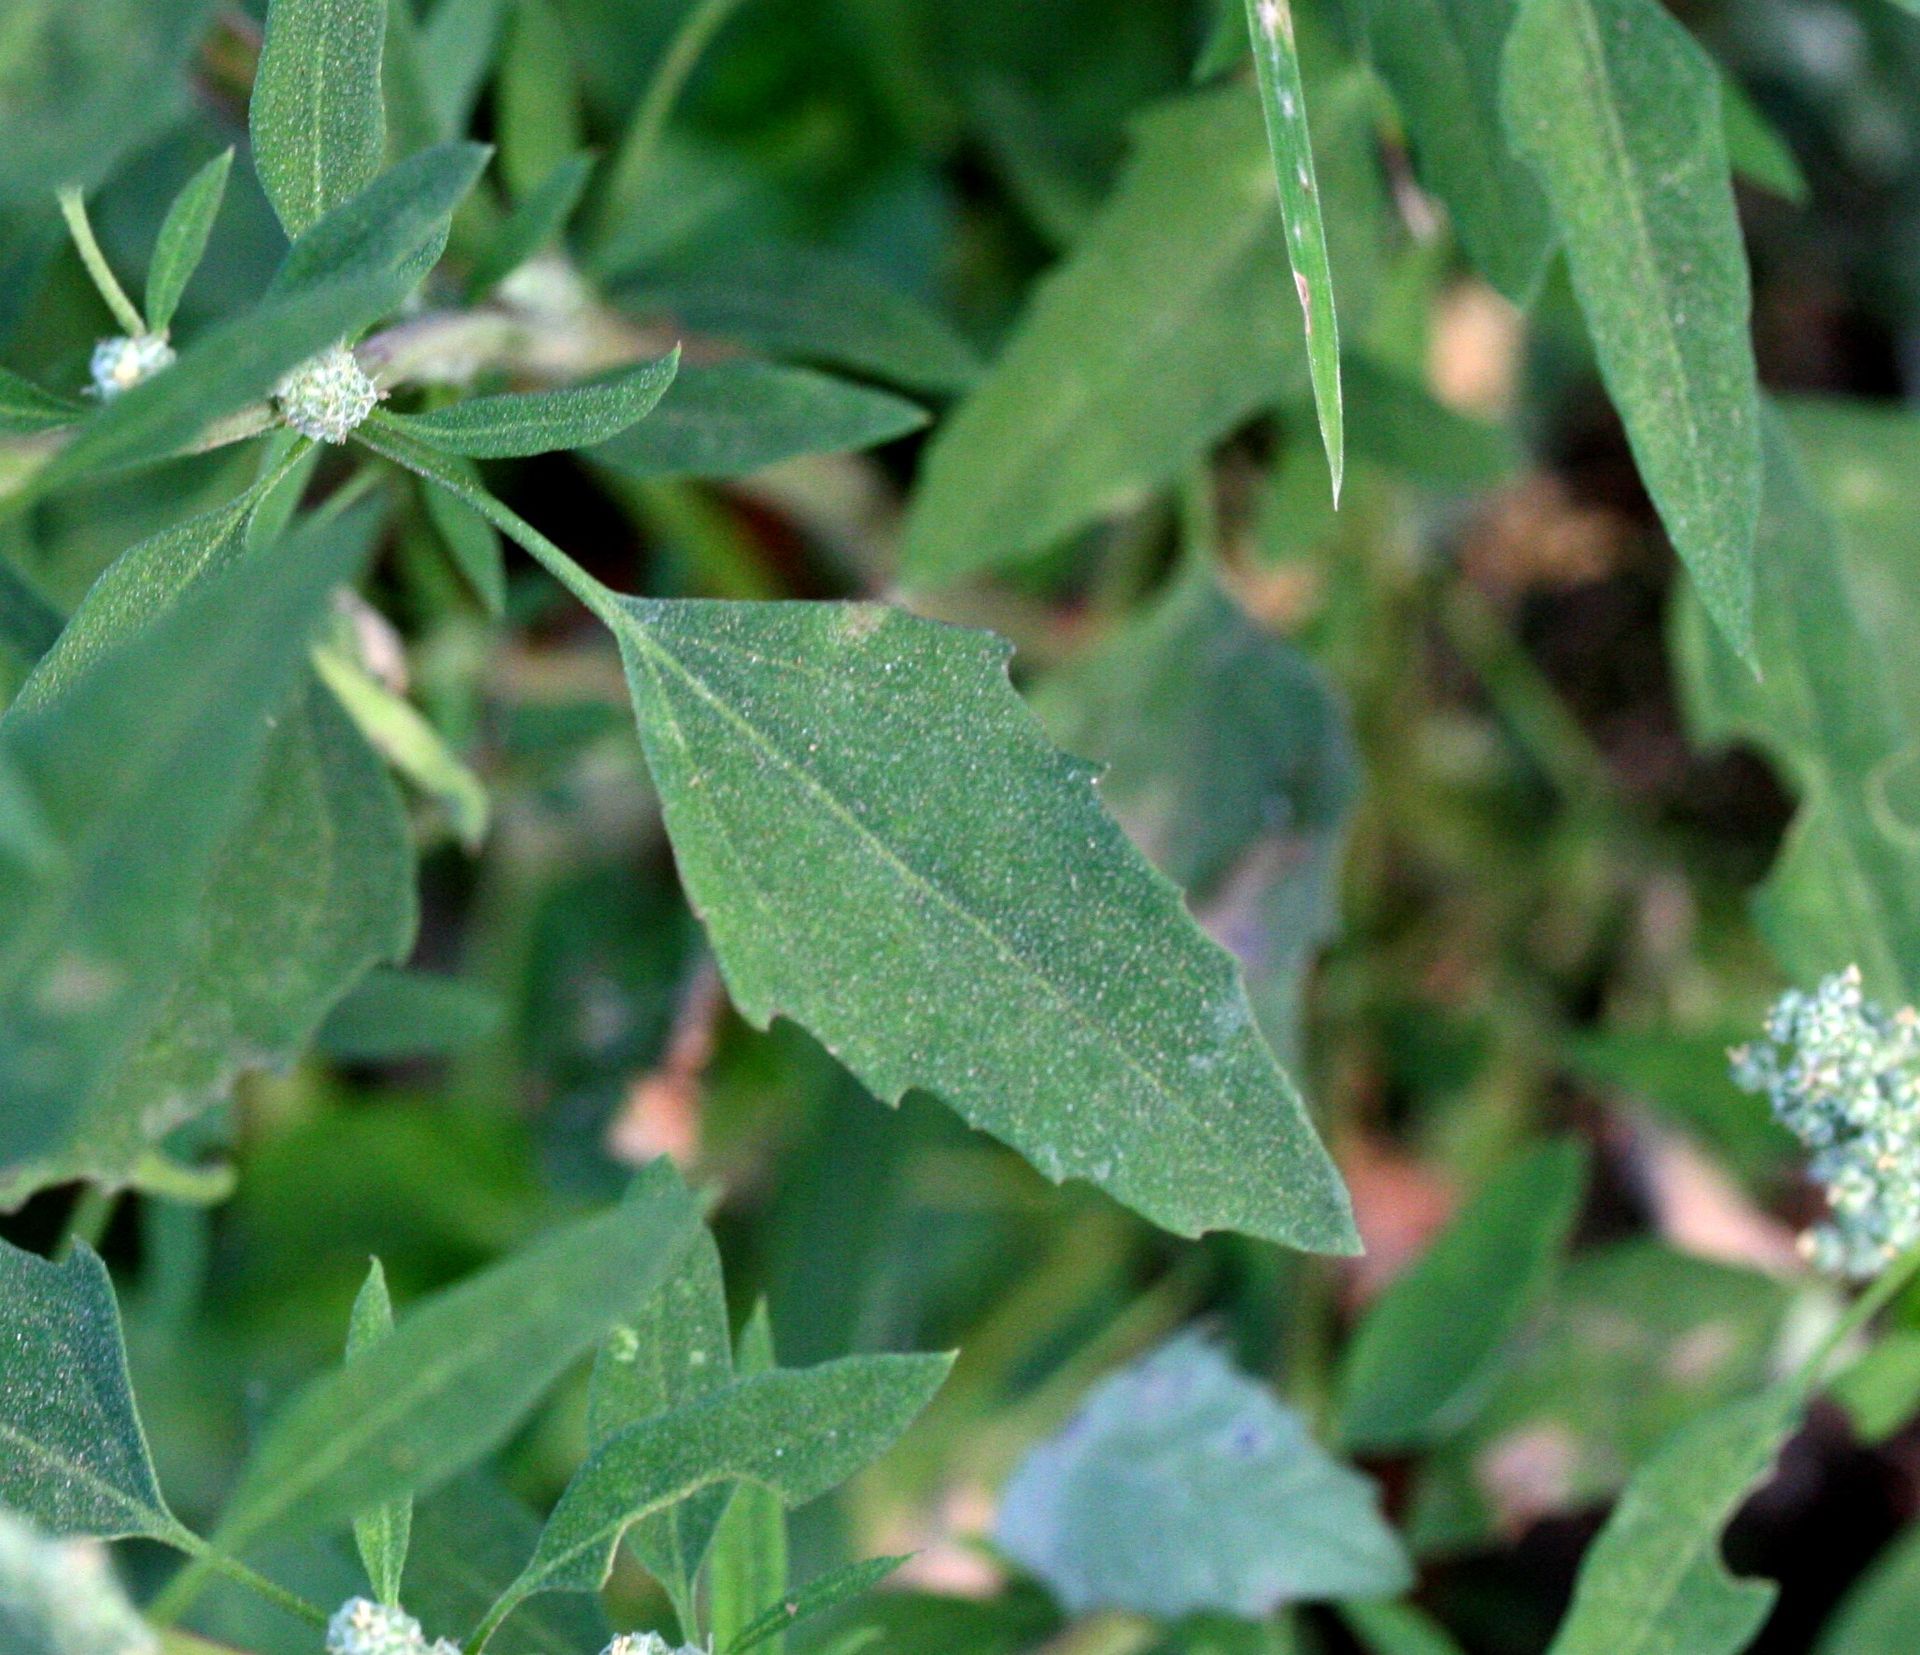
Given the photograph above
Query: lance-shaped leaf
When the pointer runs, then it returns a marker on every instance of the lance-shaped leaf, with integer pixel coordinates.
(1653, 1582)
(317, 118)
(676, 1348)
(1431, 1346)
(1283, 102)
(381, 1533)
(1441, 58)
(183, 239)
(749, 1566)
(729, 419)
(800, 1432)
(1840, 700)
(456, 1374)
(1619, 110)
(538, 422)
(141, 769)
(1168, 324)
(828, 1591)
(73, 1456)
(886, 849)
(25, 408)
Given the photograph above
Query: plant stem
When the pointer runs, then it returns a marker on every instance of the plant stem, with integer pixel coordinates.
(74, 209)
(206, 1560)
(1885, 1289)
(642, 136)
(88, 1221)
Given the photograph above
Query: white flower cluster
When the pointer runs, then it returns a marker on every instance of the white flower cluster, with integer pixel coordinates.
(61, 1595)
(363, 1627)
(648, 1643)
(327, 395)
(122, 362)
(1843, 1075)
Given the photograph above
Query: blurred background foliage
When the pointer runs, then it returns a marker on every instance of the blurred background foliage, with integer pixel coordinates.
(1462, 744)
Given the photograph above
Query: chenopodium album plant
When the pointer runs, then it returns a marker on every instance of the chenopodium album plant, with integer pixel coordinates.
(204, 863)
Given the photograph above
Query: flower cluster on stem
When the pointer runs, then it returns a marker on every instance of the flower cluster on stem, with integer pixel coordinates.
(1842, 1073)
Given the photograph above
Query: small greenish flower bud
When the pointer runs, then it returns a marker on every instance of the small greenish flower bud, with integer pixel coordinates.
(327, 395)
(61, 1595)
(1843, 1075)
(363, 1627)
(122, 362)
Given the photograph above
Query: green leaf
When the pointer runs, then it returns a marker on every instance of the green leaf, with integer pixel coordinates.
(25, 408)
(1839, 702)
(183, 239)
(1164, 328)
(539, 422)
(1881, 1391)
(1619, 110)
(393, 1014)
(828, 1591)
(1653, 1582)
(318, 122)
(456, 1375)
(886, 849)
(1441, 60)
(809, 305)
(536, 221)
(1635, 1341)
(381, 1533)
(1229, 763)
(536, 103)
(474, 544)
(1755, 148)
(729, 419)
(1880, 1610)
(81, 86)
(677, 1348)
(1395, 422)
(1396, 1629)
(394, 229)
(73, 1456)
(470, 1540)
(457, 47)
(1432, 1345)
(1283, 101)
(748, 1566)
(266, 953)
(797, 1432)
(1182, 1486)
(141, 810)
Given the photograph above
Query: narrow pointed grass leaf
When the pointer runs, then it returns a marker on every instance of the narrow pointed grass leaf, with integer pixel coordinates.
(991, 936)
(1653, 1582)
(1432, 1344)
(827, 1591)
(675, 1348)
(534, 222)
(183, 239)
(1619, 110)
(799, 1432)
(539, 422)
(142, 769)
(729, 419)
(1283, 101)
(748, 1566)
(391, 1014)
(73, 1455)
(25, 408)
(1169, 322)
(1441, 59)
(457, 1373)
(380, 1534)
(317, 118)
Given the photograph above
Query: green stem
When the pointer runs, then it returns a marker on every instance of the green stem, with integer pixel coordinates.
(74, 209)
(88, 1221)
(205, 1560)
(642, 136)
(1885, 1289)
